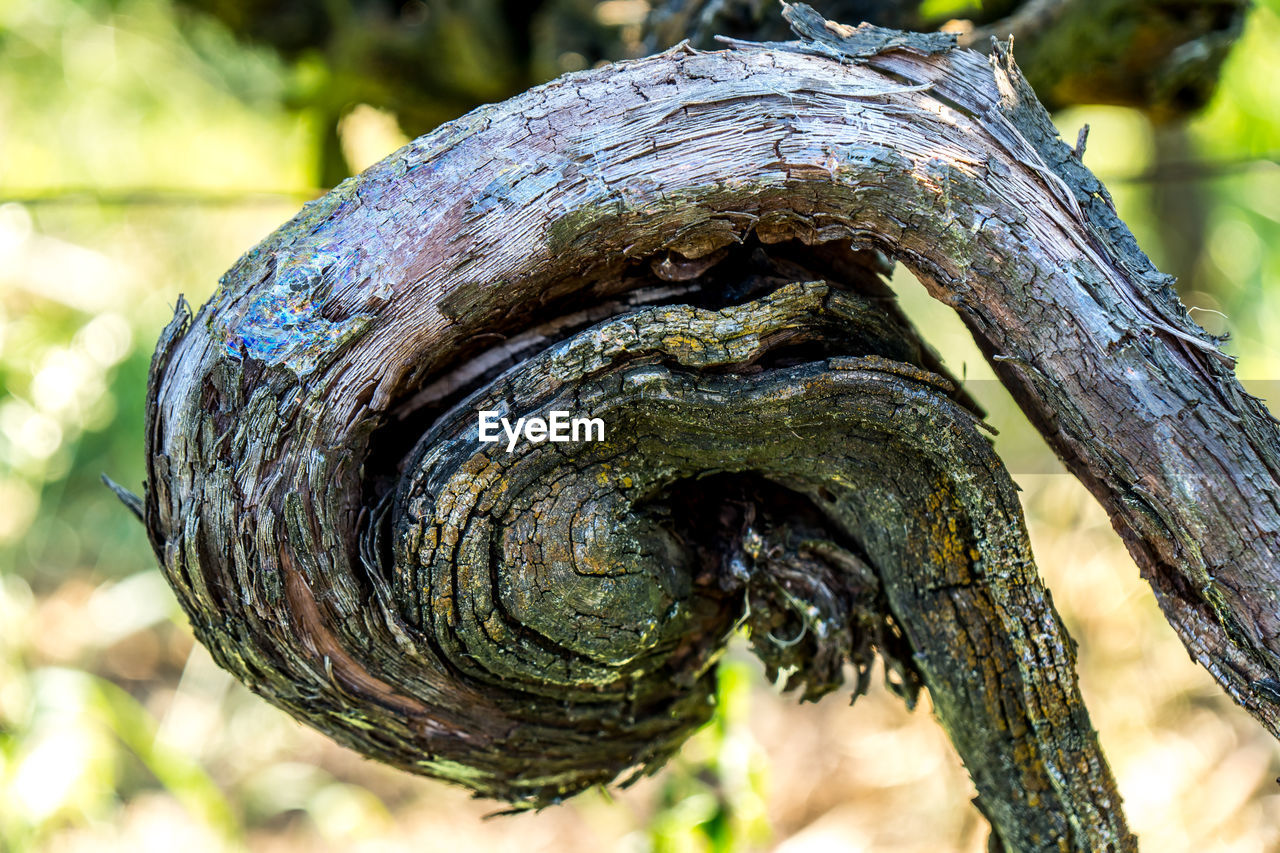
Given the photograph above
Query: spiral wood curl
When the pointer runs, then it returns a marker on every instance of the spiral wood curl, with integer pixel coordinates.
(781, 451)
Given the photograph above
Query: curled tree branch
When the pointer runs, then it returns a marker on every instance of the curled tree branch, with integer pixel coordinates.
(664, 245)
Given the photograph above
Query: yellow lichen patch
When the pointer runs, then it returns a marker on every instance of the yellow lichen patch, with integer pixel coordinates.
(947, 545)
(683, 343)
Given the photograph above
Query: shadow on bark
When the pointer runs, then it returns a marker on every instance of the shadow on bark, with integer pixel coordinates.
(688, 248)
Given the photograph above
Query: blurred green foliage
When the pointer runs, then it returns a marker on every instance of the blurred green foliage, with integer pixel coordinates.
(712, 800)
(141, 150)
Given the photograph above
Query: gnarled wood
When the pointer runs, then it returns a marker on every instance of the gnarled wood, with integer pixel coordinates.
(282, 418)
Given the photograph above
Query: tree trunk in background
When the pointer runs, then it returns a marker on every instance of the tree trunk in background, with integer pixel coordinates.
(1162, 58)
(430, 62)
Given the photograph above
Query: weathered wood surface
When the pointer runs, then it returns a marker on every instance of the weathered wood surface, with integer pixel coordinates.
(605, 575)
(281, 413)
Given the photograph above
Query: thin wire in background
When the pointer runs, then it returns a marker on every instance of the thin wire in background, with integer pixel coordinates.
(1174, 172)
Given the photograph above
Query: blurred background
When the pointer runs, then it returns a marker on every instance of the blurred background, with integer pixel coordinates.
(145, 144)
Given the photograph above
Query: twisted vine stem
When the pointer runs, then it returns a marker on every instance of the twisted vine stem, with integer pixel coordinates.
(665, 245)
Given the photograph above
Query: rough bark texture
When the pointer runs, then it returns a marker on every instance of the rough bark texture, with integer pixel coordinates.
(632, 242)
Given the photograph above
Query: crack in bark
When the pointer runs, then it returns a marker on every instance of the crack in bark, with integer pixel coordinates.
(534, 623)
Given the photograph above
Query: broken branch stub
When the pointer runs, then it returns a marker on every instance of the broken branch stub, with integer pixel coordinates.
(664, 246)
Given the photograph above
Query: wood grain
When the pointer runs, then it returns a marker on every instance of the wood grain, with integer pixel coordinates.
(368, 587)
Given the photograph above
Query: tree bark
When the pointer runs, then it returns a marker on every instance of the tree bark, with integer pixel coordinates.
(633, 242)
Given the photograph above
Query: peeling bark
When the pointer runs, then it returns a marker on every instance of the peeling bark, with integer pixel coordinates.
(665, 244)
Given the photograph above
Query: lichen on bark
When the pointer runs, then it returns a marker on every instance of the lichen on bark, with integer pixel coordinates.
(688, 247)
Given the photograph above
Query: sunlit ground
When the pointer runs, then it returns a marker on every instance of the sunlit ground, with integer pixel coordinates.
(116, 733)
